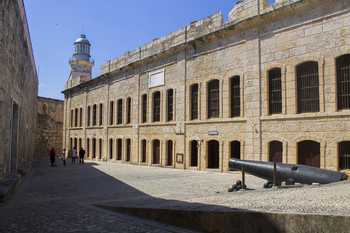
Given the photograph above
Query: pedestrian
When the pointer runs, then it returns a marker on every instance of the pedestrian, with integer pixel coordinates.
(81, 155)
(74, 155)
(52, 157)
(64, 157)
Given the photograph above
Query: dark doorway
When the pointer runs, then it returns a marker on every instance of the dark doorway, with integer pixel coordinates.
(276, 151)
(235, 149)
(76, 143)
(119, 149)
(213, 154)
(194, 154)
(309, 153)
(14, 133)
(128, 149)
(344, 155)
(169, 150)
(94, 148)
(156, 152)
(143, 151)
(111, 148)
(100, 148)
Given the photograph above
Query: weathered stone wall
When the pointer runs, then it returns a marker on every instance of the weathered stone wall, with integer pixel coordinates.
(18, 87)
(283, 35)
(49, 127)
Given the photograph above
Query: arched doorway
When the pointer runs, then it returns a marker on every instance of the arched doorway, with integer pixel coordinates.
(213, 154)
(344, 155)
(128, 150)
(235, 150)
(119, 149)
(194, 154)
(309, 153)
(156, 152)
(169, 150)
(276, 151)
(143, 151)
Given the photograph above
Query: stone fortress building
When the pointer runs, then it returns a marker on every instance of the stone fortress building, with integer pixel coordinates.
(272, 83)
(18, 90)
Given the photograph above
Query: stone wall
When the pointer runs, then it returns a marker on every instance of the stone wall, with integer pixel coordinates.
(18, 90)
(49, 127)
(281, 36)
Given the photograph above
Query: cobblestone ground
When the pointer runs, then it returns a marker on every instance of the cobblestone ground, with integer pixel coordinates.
(59, 200)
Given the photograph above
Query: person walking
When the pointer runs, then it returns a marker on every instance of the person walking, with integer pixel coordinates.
(64, 157)
(81, 155)
(52, 157)
(74, 155)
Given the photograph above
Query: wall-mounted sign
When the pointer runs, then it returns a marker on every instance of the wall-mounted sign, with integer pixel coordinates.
(213, 132)
(180, 158)
(156, 78)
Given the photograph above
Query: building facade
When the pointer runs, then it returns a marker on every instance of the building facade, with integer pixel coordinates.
(272, 83)
(49, 127)
(18, 90)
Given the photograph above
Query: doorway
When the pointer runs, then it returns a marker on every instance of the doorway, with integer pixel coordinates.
(213, 154)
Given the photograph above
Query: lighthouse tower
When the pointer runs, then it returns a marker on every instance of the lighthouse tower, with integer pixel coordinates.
(81, 63)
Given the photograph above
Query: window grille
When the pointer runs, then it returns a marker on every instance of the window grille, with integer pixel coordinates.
(213, 99)
(194, 101)
(308, 87)
(343, 82)
(275, 91)
(235, 96)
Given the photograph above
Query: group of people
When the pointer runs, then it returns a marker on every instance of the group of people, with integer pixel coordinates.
(73, 154)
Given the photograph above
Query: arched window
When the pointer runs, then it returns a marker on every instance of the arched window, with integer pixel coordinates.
(309, 153)
(156, 152)
(80, 117)
(94, 112)
(308, 87)
(276, 151)
(111, 148)
(156, 106)
(89, 116)
(143, 151)
(343, 82)
(194, 101)
(344, 155)
(120, 111)
(170, 104)
(128, 150)
(169, 152)
(119, 149)
(213, 154)
(235, 91)
(128, 110)
(111, 112)
(144, 108)
(275, 91)
(213, 98)
(235, 149)
(76, 117)
(101, 114)
(194, 154)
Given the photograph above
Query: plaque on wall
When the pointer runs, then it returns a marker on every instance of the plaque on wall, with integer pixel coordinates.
(156, 78)
(180, 158)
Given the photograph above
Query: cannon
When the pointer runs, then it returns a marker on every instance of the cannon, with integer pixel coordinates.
(288, 173)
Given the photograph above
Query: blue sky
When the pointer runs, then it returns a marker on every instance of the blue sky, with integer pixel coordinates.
(112, 26)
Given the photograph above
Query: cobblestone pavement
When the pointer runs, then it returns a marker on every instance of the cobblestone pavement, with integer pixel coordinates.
(59, 200)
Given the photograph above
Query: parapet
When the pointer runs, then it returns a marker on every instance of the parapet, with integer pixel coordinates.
(191, 32)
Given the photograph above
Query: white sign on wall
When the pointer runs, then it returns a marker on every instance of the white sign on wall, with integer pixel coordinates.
(156, 78)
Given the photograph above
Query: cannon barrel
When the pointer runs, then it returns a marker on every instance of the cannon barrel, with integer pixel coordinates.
(287, 172)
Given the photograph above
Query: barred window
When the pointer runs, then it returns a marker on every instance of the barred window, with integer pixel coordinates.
(343, 82)
(89, 116)
(120, 111)
(111, 112)
(170, 105)
(213, 98)
(128, 110)
(308, 87)
(144, 108)
(94, 112)
(101, 114)
(194, 101)
(156, 106)
(235, 89)
(275, 91)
